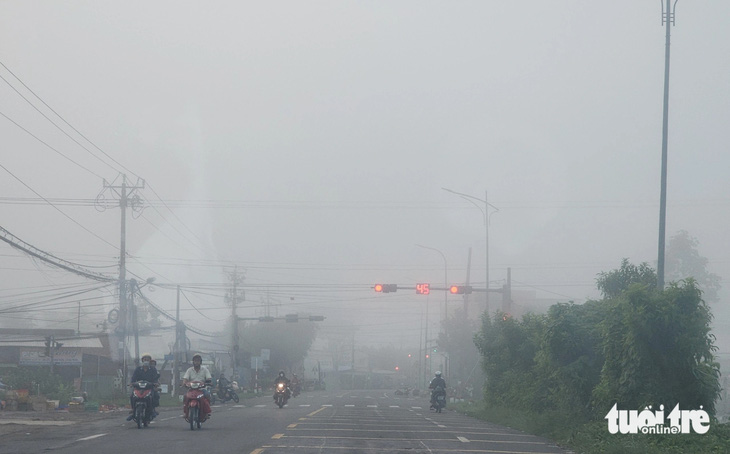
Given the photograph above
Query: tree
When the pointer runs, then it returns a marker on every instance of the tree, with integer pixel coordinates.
(462, 351)
(658, 350)
(615, 282)
(683, 260)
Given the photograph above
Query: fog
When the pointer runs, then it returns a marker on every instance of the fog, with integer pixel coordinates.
(307, 144)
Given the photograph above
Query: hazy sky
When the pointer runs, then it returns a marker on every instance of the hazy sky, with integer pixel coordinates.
(308, 142)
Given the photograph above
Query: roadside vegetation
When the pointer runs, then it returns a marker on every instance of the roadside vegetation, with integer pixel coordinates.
(558, 374)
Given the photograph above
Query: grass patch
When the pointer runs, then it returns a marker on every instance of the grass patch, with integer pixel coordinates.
(593, 437)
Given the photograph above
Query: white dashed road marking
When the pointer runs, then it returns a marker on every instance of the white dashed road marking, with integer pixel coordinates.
(91, 437)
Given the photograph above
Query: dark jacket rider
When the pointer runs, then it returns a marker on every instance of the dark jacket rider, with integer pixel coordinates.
(436, 382)
(147, 373)
(281, 378)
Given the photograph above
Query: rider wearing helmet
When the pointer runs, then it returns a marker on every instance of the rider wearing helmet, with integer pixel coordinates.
(281, 378)
(145, 372)
(198, 373)
(436, 382)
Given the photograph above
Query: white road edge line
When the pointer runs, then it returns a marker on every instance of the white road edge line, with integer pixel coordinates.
(91, 437)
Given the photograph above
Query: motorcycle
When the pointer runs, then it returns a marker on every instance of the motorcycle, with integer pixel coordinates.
(227, 394)
(142, 411)
(194, 396)
(281, 394)
(295, 389)
(438, 399)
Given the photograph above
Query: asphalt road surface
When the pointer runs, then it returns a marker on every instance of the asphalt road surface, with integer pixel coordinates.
(372, 421)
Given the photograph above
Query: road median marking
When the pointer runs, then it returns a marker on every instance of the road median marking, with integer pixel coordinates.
(257, 451)
(317, 411)
(277, 436)
(291, 426)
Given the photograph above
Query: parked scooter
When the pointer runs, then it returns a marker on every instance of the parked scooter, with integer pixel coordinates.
(142, 410)
(194, 398)
(281, 394)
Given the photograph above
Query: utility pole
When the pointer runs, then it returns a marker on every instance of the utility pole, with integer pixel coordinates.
(466, 295)
(124, 191)
(176, 349)
(233, 298)
(135, 320)
(667, 19)
(78, 322)
(507, 293)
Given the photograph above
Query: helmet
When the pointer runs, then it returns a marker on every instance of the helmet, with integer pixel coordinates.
(438, 373)
(146, 355)
(198, 355)
(281, 373)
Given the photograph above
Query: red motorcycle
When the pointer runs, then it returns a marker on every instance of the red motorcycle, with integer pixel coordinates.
(196, 406)
(142, 399)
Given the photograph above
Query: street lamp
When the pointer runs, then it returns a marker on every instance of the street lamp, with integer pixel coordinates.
(485, 213)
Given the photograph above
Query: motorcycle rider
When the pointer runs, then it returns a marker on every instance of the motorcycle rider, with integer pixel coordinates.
(223, 385)
(148, 373)
(281, 378)
(198, 373)
(295, 384)
(435, 383)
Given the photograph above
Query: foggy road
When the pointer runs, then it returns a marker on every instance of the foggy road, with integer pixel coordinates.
(333, 422)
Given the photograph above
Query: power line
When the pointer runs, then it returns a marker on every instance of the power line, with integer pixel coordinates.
(62, 119)
(17, 243)
(49, 146)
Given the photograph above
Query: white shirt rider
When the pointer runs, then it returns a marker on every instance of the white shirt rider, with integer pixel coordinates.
(201, 374)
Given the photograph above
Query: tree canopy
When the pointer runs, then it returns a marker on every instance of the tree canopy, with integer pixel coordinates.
(638, 346)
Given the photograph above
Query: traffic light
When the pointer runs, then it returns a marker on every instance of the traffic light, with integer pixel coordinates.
(316, 318)
(435, 350)
(460, 289)
(386, 288)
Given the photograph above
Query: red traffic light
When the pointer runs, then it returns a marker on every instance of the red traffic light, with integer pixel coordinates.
(460, 289)
(386, 288)
(378, 287)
